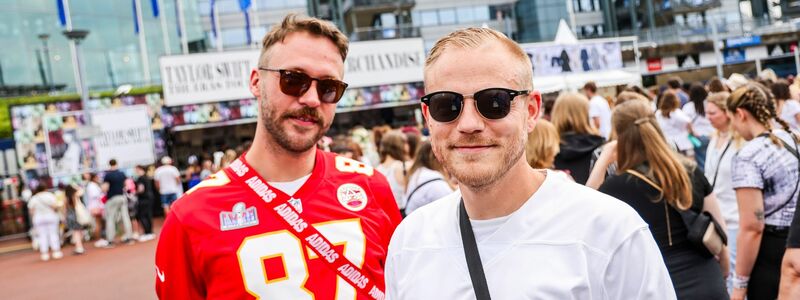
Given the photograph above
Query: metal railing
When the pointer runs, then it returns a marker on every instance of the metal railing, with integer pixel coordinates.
(383, 33)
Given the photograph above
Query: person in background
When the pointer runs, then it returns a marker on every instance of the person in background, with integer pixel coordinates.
(794, 89)
(192, 172)
(577, 138)
(701, 127)
(719, 157)
(413, 139)
(43, 208)
(146, 195)
(626, 96)
(427, 181)
(675, 124)
(208, 169)
(227, 159)
(116, 206)
(73, 196)
(168, 182)
(674, 85)
(658, 184)
(766, 178)
(94, 202)
(599, 110)
(788, 108)
(715, 85)
(542, 145)
(790, 270)
(394, 153)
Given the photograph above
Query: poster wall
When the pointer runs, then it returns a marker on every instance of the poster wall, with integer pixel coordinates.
(551, 59)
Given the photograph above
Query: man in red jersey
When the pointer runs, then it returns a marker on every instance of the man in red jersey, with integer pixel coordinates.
(285, 220)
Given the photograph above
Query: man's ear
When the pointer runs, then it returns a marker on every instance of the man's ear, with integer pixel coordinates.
(255, 79)
(534, 106)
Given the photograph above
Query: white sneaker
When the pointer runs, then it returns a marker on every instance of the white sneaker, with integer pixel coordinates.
(58, 255)
(136, 236)
(101, 244)
(148, 237)
(45, 257)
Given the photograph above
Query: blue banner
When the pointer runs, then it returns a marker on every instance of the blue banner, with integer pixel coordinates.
(135, 18)
(62, 16)
(213, 22)
(743, 41)
(155, 8)
(244, 5)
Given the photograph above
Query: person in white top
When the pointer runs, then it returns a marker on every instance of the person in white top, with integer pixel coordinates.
(719, 159)
(45, 218)
(394, 153)
(533, 240)
(701, 127)
(599, 110)
(426, 183)
(674, 123)
(168, 182)
(788, 108)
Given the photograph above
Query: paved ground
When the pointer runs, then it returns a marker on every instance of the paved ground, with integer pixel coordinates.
(122, 272)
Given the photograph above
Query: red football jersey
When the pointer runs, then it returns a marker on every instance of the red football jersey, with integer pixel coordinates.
(221, 242)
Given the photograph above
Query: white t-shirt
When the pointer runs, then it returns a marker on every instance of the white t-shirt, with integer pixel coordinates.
(167, 184)
(43, 206)
(291, 187)
(700, 124)
(675, 128)
(723, 187)
(585, 245)
(398, 190)
(598, 107)
(94, 195)
(431, 191)
(790, 109)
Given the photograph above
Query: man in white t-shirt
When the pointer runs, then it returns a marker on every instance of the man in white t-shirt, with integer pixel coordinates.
(599, 110)
(538, 235)
(168, 183)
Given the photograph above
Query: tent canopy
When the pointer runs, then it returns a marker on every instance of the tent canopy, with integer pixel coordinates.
(575, 81)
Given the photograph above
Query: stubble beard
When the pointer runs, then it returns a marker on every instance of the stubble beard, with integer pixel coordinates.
(272, 123)
(477, 175)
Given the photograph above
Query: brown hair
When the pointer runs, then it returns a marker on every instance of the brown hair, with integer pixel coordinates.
(757, 100)
(377, 135)
(716, 86)
(668, 103)
(590, 86)
(542, 145)
(425, 158)
(571, 114)
(640, 140)
(630, 95)
(470, 38)
(295, 23)
(780, 89)
(393, 144)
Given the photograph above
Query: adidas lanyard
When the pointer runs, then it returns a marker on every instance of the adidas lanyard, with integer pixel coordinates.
(277, 202)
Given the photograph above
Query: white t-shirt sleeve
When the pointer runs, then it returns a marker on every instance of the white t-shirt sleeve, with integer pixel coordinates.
(636, 270)
(595, 108)
(681, 117)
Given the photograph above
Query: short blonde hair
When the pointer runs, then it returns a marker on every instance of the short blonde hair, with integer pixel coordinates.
(295, 23)
(628, 96)
(571, 114)
(471, 38)
(543, 145)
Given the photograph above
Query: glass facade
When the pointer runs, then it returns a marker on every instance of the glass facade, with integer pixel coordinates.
(538, 19)
(110, 52)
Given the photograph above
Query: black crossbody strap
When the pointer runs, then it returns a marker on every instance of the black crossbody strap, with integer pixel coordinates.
(473, 257)
(419, 186)
(793, 152)
(719, 163)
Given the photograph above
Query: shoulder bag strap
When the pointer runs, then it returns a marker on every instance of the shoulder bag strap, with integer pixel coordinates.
(474, 264)
(421, 185)
(791, 196)
(719, 163)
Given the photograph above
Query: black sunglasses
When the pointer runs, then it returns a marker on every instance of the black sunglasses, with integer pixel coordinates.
(492, 103)
(295, 83)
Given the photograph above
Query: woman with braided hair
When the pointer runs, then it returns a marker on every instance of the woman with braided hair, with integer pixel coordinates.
(765, 175)
(659, 184)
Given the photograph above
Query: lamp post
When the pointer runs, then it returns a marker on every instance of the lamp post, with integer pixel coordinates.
(76, 36)
(50, 82)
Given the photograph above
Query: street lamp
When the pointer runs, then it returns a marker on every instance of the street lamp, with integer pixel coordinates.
(50, 82)
(75, 37)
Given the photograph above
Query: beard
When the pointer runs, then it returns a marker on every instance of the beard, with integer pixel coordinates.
(276, 126)
(478, 171)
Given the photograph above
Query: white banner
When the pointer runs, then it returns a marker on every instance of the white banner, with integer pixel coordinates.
(551, 59)
(374, 63)
(207, 77)
(125, 135)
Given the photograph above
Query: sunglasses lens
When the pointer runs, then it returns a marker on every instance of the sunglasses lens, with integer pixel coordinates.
(493, 103)
(445, 106)
(294, 83)
(330, 91)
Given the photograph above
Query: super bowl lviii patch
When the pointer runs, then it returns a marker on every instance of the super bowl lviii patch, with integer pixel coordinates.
(352, 196)
(240, 217)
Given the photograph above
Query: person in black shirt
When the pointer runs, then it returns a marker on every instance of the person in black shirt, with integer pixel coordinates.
(658, 184)
(116, 206)
(145, 192)
(790, 270)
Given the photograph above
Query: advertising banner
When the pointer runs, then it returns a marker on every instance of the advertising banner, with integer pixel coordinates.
(585, 57)
(375, 63)
(125, 135)
(207, 77)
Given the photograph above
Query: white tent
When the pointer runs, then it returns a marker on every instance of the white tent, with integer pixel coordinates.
(576, 80)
